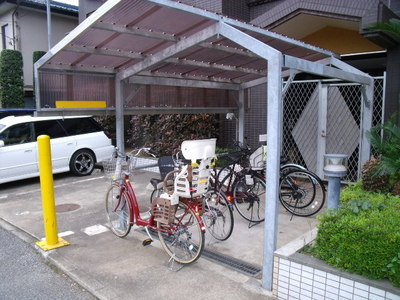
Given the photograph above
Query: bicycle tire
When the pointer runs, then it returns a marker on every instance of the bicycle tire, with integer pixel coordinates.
(302, 193)
(218, 215)
(118, 211)
(183, 240)
(249, 196)
(285, 169)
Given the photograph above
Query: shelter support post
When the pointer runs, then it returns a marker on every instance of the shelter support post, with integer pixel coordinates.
(37, 87)
(274, 132)
(322, 125)
(241, 119)
(119, 114)
(366, 122)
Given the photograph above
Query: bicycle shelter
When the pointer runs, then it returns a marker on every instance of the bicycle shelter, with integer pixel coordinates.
(163, 42)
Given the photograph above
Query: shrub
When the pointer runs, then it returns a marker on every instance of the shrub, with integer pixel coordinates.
(35, 57)
(164, 133)
(355, 192)
(11, 79)
(362, 236)
(108, 123)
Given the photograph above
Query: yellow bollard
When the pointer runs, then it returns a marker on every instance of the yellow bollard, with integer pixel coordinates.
(46, 185)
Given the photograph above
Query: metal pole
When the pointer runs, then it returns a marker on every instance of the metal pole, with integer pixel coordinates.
(37, 88)
(322, 125)
(335, 168)
(333, 192)
(241, 115)
(274, 131)
(49, 39)
(119, 114)
(366, 121)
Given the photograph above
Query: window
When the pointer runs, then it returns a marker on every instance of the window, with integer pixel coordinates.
(51, 128)
(17, 134)
(80, 126)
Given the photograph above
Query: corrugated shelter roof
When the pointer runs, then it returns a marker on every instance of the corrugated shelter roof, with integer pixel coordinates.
(166, 39)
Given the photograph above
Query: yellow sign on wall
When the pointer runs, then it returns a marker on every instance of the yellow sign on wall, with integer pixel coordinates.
(81, 104)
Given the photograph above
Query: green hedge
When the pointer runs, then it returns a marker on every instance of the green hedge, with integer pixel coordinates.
(363, 236)
(11, 79)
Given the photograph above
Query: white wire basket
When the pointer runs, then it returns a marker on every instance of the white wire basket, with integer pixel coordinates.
(116, 167)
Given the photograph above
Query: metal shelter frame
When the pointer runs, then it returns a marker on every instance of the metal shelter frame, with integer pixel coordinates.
(163, 42)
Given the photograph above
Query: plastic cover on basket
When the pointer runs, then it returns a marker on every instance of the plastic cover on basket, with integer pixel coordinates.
(198, 149)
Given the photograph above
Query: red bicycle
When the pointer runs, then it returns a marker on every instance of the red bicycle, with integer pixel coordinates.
(180, 227)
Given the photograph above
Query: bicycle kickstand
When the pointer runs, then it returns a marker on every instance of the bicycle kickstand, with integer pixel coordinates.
(173, 265)
(148, 241)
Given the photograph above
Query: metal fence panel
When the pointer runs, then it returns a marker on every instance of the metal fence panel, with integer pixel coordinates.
(300, 122)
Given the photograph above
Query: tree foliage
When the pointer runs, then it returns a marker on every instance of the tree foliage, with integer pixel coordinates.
(11, 79)
(391, 26)
(164, 133)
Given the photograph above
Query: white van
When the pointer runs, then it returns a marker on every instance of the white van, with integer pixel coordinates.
(77, 143)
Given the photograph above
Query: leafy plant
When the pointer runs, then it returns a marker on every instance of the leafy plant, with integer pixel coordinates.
(387, 146)
(393, 270)
(11, 79)
(357, 206)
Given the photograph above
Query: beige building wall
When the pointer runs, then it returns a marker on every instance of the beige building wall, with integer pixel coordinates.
(30, 32)
(6, 27)
(33, 36)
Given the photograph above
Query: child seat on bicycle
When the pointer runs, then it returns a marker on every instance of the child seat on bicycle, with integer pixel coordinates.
(193, 179)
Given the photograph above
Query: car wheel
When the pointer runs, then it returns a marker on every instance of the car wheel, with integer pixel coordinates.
(82, 163)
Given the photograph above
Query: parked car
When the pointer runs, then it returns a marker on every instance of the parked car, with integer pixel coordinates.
(5, 112)
(77, 143)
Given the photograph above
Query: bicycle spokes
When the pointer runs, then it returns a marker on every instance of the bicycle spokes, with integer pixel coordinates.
(183, 239)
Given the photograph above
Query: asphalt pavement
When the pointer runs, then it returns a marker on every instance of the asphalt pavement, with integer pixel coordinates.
(113, 268)
(25, 274)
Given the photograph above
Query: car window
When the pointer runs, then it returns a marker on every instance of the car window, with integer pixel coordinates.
(17, 134)
(51, 128)
(80, 126)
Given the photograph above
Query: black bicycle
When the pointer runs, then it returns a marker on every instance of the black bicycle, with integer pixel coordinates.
(302, 193)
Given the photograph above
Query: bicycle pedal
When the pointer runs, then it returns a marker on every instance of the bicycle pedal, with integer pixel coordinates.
(147, 242)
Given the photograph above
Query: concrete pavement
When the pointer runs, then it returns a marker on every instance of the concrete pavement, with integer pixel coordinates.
(115, 268)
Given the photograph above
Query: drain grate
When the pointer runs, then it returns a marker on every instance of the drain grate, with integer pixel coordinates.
(232, 263)
(225, 260)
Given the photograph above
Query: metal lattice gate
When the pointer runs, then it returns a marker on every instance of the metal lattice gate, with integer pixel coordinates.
(325, 117)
